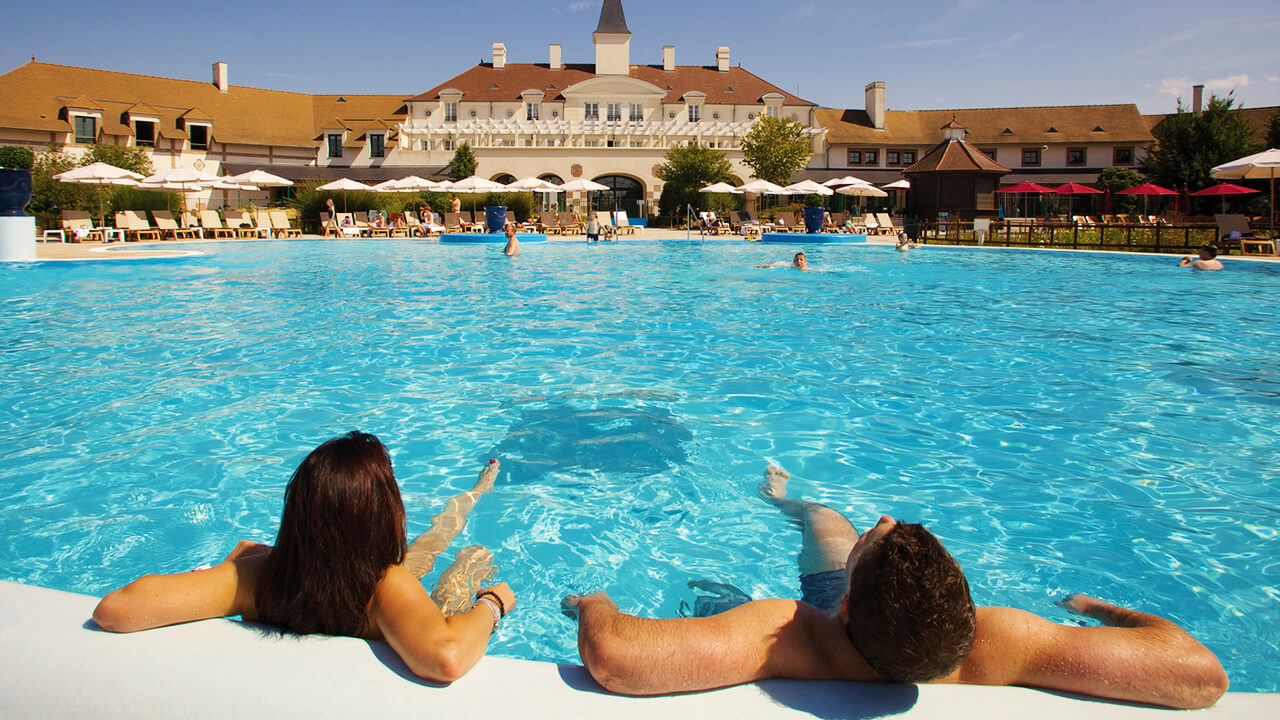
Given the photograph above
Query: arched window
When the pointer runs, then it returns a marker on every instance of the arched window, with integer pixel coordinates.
(624, 193)
(505, 178)
(552, 201)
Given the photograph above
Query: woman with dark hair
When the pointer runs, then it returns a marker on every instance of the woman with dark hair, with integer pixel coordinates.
(341, 566)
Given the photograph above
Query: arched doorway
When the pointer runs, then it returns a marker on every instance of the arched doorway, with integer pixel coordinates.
(624, 193)
(552, 202)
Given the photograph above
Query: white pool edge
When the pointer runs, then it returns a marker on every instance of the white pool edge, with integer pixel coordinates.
(56, 664)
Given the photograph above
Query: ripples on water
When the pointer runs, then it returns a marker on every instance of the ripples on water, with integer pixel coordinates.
(1065, 423)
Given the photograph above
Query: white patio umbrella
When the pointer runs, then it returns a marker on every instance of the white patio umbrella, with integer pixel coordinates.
(533, 184)
(477, 184)
(344, 186)
(581, 185)
(99, 174)
(226, 185)
(721, 187)
(1260, 166)
(763, 187)
(261, 178)
(416, 184)
(808, 187)
(392, 186)
(184, 180)
(842, 181)
(897, 185)
(861, 190)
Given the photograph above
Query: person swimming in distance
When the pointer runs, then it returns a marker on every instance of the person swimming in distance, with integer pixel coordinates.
(513, 245)
(1208, 259)
(799, 262)
(340, 566)
(904, 243)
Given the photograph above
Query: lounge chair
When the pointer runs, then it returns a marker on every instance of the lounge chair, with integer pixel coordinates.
(473, 222)
(786, 222)
(1229, 224)
(368, 230)
(570, 224)
(240, 221)
(625, 227)
(399, 226)
(712, 225)
(136, 225)
(347, 225)
(329, 225)
(548, 224)
(169, 227)
(280, 221)
(77, 226)
(211, 222)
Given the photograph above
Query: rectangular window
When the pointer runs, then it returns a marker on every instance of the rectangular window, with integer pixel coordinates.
(871, 157)
(892, 157)
(908, 157)
(855, 157)
(591, 143)
(990, 153)
(451, 112)
(615, 112)
(772, 111)
(86, 130)
(531, 111)
(637, 143)
(1030, 157)
(695, 113)
(335, 145)
(1122, 156)
(378, 145)
(144, 133)
(449, 145)
(591, 111)
(1077, 156)
(637, 112)
(199, 136)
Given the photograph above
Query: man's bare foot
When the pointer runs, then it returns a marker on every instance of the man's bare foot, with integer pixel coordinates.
(774, 487)
(488, 474)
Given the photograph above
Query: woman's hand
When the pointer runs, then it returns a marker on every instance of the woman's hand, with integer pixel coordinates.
(504, 593)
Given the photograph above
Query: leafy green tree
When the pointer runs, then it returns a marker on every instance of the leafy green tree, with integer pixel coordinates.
(1273, 136)
(1188, 145)
(1118, 178)
(463, 164)
(15, 157)
(687, 169)
(776, 148)
(129, 158)
(50, 197)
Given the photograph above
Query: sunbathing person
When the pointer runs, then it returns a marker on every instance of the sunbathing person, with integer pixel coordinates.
(799, 262)
(340, 566)
(891, 605)
(1208, 259)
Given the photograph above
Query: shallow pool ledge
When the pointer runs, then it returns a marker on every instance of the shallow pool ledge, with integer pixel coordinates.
(57, 664)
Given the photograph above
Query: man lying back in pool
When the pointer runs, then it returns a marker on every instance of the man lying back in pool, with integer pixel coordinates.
(891, 605)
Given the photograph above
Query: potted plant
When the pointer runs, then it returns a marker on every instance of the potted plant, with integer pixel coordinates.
(15, 180)
(814, 213)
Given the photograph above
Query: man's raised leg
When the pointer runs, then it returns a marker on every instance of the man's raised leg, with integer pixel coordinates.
(827, 535)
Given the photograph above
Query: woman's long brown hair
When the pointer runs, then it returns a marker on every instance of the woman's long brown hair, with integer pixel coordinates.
(343, 525)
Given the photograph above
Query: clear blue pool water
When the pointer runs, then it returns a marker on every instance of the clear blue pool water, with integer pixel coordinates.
(1064, 423)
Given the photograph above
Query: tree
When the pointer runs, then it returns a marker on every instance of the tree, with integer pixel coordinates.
(1118, 178)
(129, 158)
(1273, 136)
(50, 197)
(776, 148)
(685, 170)
(1188, 145)
(463, 164)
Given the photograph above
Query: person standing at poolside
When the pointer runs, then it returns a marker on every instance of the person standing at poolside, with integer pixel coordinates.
(340, 566)
(332, 222)
(1208, 259)
(799, 262)
(892, 605)
(513, 244)
(455, 205)
(593, 228)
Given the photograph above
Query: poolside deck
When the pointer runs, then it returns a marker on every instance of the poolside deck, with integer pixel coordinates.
(57, 664)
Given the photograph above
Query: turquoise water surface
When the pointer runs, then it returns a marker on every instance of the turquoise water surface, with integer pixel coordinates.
(1064, 422)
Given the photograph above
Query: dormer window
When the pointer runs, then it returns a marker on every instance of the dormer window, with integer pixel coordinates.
(199, 135)
(86, 129)
(451, 112)
(377, 145)
(695, 113)
(531, 111)
(335, 144)
(1098, 128)
(1052, 130)
(144, 133)
(1006, 131)
(773, 111)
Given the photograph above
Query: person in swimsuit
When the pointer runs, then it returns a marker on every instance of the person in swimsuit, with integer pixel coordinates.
(889, 605)
(799, 262)
(343, 499)
(1208, 259)
(904, 243)
(513, 244)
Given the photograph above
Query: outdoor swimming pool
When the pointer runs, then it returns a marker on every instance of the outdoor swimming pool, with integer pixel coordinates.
(1064, 423)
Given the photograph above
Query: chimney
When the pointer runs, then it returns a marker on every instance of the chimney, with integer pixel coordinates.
(1197, 93)
(669, 57)
(555, 57)
(220, 77)
(722, 58)
(875, 103)
(499, 56)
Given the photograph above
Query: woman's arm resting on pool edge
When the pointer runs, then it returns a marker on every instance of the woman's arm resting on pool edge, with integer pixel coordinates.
(1134, 656)
(158, 600)
(640, 656)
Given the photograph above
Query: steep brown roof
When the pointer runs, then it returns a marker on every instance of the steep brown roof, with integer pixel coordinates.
(1026, 125)
(956, 156)
(35, 93)
(484, 83)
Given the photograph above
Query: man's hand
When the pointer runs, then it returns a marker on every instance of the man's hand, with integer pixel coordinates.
(571, 605)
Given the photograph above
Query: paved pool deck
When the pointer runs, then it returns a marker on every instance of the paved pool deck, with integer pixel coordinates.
(56, 664)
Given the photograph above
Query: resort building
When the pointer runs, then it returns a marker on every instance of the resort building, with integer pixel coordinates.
(1047, 145)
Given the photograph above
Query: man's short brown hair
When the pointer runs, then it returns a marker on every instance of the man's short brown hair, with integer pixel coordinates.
(910, 614)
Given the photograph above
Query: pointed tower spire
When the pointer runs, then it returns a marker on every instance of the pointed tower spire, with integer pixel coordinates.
(612, 20)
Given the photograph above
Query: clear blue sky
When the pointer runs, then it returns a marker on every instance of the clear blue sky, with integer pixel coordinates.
(932, 53)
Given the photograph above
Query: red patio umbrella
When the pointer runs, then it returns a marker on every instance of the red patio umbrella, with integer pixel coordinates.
(1225, 189)
(1072, 188)
(1146, 190)
(1029, 188)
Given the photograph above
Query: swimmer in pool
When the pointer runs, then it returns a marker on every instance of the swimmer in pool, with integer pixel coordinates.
(904, 243)
(1208, 259)
(340, 566)
(889, 605)
(513, 245)
(799, 262)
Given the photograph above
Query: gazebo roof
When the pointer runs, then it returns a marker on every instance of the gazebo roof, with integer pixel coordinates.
(956, 156)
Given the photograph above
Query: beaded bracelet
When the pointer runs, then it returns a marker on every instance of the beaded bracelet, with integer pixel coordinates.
(493, 608)
(489, 593)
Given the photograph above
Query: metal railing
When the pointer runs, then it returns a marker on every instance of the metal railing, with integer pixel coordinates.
(1021, 233)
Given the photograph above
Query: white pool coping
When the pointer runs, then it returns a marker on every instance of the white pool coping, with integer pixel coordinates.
(55, 663)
